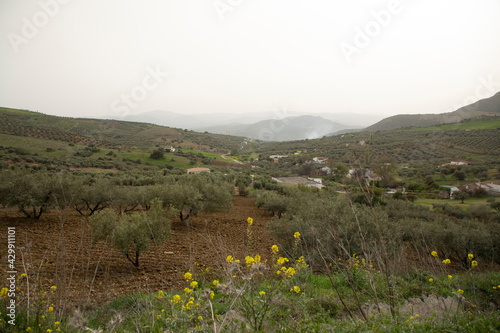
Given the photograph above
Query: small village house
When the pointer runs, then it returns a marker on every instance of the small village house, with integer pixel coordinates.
(197, 170)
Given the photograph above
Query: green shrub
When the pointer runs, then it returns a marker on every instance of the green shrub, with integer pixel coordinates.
(131, 234)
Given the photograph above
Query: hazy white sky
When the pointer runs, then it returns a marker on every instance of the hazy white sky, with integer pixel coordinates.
(118, 57)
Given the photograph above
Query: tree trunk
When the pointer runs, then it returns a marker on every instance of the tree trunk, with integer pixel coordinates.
(136, 262)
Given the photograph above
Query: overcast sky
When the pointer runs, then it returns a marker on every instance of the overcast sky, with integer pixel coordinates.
(117, 57)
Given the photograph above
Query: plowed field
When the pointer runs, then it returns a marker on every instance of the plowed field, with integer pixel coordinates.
(57, 250)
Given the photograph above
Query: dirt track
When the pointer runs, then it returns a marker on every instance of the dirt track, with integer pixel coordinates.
(59, 249)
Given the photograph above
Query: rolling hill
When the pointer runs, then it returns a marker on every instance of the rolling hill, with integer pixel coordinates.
(286, 129)
(109, 133)
(485, 107)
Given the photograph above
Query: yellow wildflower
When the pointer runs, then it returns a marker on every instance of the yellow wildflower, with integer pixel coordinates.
(250, 221)
(229, 258)
(28, 329)
(446, 261)
(200, 318)
(290, 272)
(474, 263)
(257, 258)
(295, 289)
(160, 294)
(411, 318)
(53, 288)
(56, 323)
(212, 295)
(275, 249)
(249, 260)
(450, 277)
(4, 291)
(48, 330)
(262, 293)
(296, 235)
(434, 254)
(194, 284)
(281, 261)
(188, 276)
(216, 282)
(431, 280)
(460, 291)
(176, 299)
(187, 290)
(471, 256)
(51, 309)
(189, 305)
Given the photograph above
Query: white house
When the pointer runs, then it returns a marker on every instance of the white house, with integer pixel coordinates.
(197, 170)
(320, 160)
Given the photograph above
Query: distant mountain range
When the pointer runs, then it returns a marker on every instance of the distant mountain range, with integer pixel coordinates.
(289, 125)
(201, 121)
(286, 129)
(484, 107)
(267, 126)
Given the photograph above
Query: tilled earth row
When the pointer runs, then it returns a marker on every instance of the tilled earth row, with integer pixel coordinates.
(57, 251)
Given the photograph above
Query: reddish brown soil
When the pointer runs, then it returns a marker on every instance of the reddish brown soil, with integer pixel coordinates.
(59, 249)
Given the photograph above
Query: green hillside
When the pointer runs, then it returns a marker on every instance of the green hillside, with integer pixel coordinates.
(414, 147)
(32, 137)
(469, 124)
(109, 133)
(37, 138)
(488, 107)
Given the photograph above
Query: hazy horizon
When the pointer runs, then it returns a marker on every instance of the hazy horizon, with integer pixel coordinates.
(117, 58)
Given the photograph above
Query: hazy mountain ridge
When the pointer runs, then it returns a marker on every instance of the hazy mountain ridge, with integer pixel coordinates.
(485, 107)
(286, 129)
(201, 121)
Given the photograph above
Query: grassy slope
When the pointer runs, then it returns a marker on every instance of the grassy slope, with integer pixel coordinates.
(34, 133)
(467, 202)
(472, 125)
(62, 150)
(420, 147)
(110, 132)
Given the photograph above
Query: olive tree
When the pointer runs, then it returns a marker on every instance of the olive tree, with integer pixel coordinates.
(201, 192)
(31, 193)
(132, 234)
(272, 202)
(460, 195)
(90, 196)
